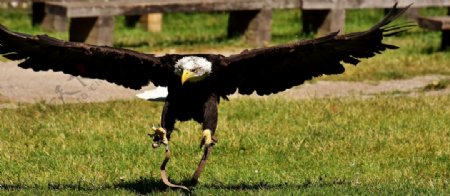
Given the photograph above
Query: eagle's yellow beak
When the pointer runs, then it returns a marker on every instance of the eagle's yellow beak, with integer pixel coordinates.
(186, 75)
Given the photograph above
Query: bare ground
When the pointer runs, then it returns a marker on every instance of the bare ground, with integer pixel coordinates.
(19, 85)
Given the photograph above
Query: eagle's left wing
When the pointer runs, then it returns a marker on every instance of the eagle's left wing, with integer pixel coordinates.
(120, 66)
(274, 69)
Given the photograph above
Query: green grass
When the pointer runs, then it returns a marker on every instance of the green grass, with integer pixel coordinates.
(381, 145)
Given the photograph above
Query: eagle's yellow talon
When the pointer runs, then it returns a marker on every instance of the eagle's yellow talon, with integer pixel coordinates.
(206, 138)
(155, 145)
(160, 137)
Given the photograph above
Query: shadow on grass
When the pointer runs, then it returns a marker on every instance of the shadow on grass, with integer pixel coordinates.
(144, 186)
(270, 186)
(139, 186)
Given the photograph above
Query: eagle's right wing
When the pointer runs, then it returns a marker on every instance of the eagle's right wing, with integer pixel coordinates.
(123, 67)
(274, 69)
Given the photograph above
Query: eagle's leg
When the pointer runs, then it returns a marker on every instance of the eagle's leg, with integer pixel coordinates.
(208, 140)
(209, 124)
(162, 134)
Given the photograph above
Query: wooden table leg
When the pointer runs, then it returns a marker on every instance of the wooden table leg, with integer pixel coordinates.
(255, 25)
(445, 43)
(323, 22)
(49, 21)
(37, 13)
(92, 30)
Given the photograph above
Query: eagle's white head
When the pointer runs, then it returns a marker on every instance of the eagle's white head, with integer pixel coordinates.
(193, 68)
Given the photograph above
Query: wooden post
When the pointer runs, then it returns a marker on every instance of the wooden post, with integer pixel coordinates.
(95, 30)
(131, 20)
(50, 22)
(445, 42)
(54, 23)
(322, 22)
(255, 25)
(152, 22)
(37, 13)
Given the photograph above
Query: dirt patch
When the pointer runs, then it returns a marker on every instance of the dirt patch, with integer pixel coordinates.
(412, 87)
(19, 85)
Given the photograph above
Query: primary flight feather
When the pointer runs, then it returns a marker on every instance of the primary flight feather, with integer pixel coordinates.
(196, 83)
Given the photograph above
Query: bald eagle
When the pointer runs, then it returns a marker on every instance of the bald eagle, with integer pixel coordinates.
(197, 83)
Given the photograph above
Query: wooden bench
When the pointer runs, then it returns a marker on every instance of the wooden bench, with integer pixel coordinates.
(91, 21)
(441, 23)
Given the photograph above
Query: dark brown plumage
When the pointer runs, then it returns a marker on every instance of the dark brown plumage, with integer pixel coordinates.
(264, 71)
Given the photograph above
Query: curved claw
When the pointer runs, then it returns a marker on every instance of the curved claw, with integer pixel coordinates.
(159, 137)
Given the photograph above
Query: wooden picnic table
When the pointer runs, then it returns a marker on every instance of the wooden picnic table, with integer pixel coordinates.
(92, 20)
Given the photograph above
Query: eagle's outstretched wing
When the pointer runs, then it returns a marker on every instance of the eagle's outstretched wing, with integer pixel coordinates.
(274, 69)
(123, 67)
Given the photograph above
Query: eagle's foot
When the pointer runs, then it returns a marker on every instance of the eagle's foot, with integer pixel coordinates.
(207, 139)
(159, 137)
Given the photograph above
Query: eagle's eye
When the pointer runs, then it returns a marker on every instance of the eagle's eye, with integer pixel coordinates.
(195, 70)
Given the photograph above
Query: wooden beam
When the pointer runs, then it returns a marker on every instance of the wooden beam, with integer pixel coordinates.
(362, 4)
(435, 23)
(140, 7)
(89, 9)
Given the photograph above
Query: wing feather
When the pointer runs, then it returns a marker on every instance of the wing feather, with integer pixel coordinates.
(123, 67)
(274, 69)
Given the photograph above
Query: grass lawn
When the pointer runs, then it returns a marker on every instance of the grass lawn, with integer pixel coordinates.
(390, 144)
(382, 145)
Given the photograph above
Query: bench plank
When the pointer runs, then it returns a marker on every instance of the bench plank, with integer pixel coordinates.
(364, 4)
(139, 7)
(435, 23)
(83, 9)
